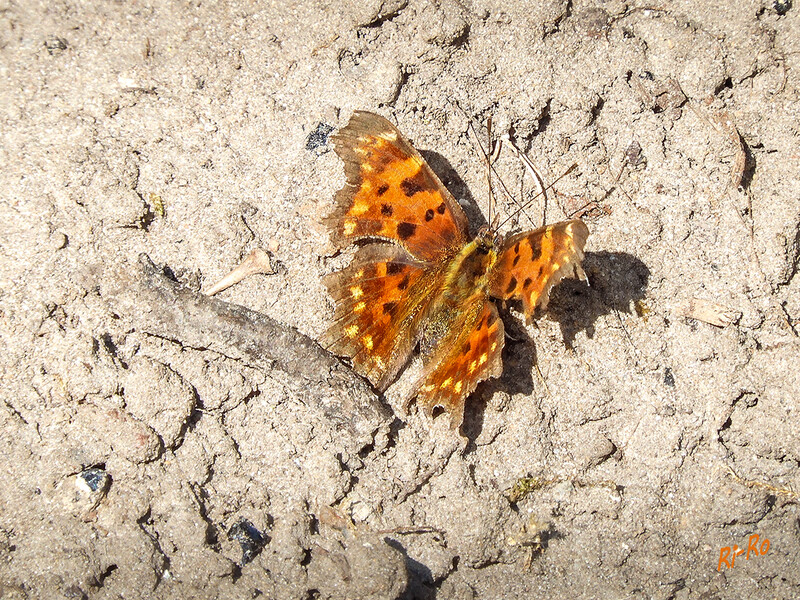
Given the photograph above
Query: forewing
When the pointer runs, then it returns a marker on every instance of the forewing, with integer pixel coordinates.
(380, 298)
(470, 353)
(392, 193)
(531, 263)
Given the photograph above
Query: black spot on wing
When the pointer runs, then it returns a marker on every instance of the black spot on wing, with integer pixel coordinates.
(405, 230)
(512, 285)
(429, 214)
(386, 210)
(441, 208)
(383, 189)
(527, 283)
(411, 186)
(536, 250)
(393, 268)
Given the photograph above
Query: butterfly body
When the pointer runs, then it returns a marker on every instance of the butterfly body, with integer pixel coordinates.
(467, 273)
(464, 282)
(420, 279)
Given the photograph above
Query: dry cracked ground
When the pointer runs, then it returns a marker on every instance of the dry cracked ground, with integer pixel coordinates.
(158, 443)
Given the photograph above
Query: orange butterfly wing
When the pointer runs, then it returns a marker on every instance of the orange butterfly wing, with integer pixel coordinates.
(392, 193)
(468, 354)
(532, 262)
(378, 310)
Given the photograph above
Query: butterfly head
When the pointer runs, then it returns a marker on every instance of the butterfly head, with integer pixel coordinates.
(488, 239)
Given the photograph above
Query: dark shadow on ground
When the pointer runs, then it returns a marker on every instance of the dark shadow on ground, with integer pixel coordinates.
(421, 585)
(617, 280)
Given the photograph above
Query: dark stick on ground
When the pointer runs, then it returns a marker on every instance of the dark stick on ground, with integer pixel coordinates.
(192, 319)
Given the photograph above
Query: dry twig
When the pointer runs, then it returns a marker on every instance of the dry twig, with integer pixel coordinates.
(163, 307)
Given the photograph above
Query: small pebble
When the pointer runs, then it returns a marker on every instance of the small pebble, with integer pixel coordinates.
(59, 240)
(782, 6)
(669, 378)
(318, 137)
(93, 485)
(93, 480)
(250, 539)
(634, 154)
(55, 45)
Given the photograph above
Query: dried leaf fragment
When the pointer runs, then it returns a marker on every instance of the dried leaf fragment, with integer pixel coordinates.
(712, 313)
(256, 262)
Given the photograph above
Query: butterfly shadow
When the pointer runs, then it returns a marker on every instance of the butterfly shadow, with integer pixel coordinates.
(617, 281)
(519, 354)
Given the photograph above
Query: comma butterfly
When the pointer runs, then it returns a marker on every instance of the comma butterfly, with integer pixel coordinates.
(422, 280)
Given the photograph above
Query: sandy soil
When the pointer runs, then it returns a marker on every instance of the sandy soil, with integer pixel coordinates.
(149, 452)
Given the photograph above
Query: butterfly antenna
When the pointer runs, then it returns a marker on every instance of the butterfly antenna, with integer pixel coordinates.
(490, 158)
(544, 190)
(490, 155)
(489, 167)
(582, 208)
(534, 173)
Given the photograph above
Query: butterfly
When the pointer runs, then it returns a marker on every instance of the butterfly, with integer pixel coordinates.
(419, 279)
